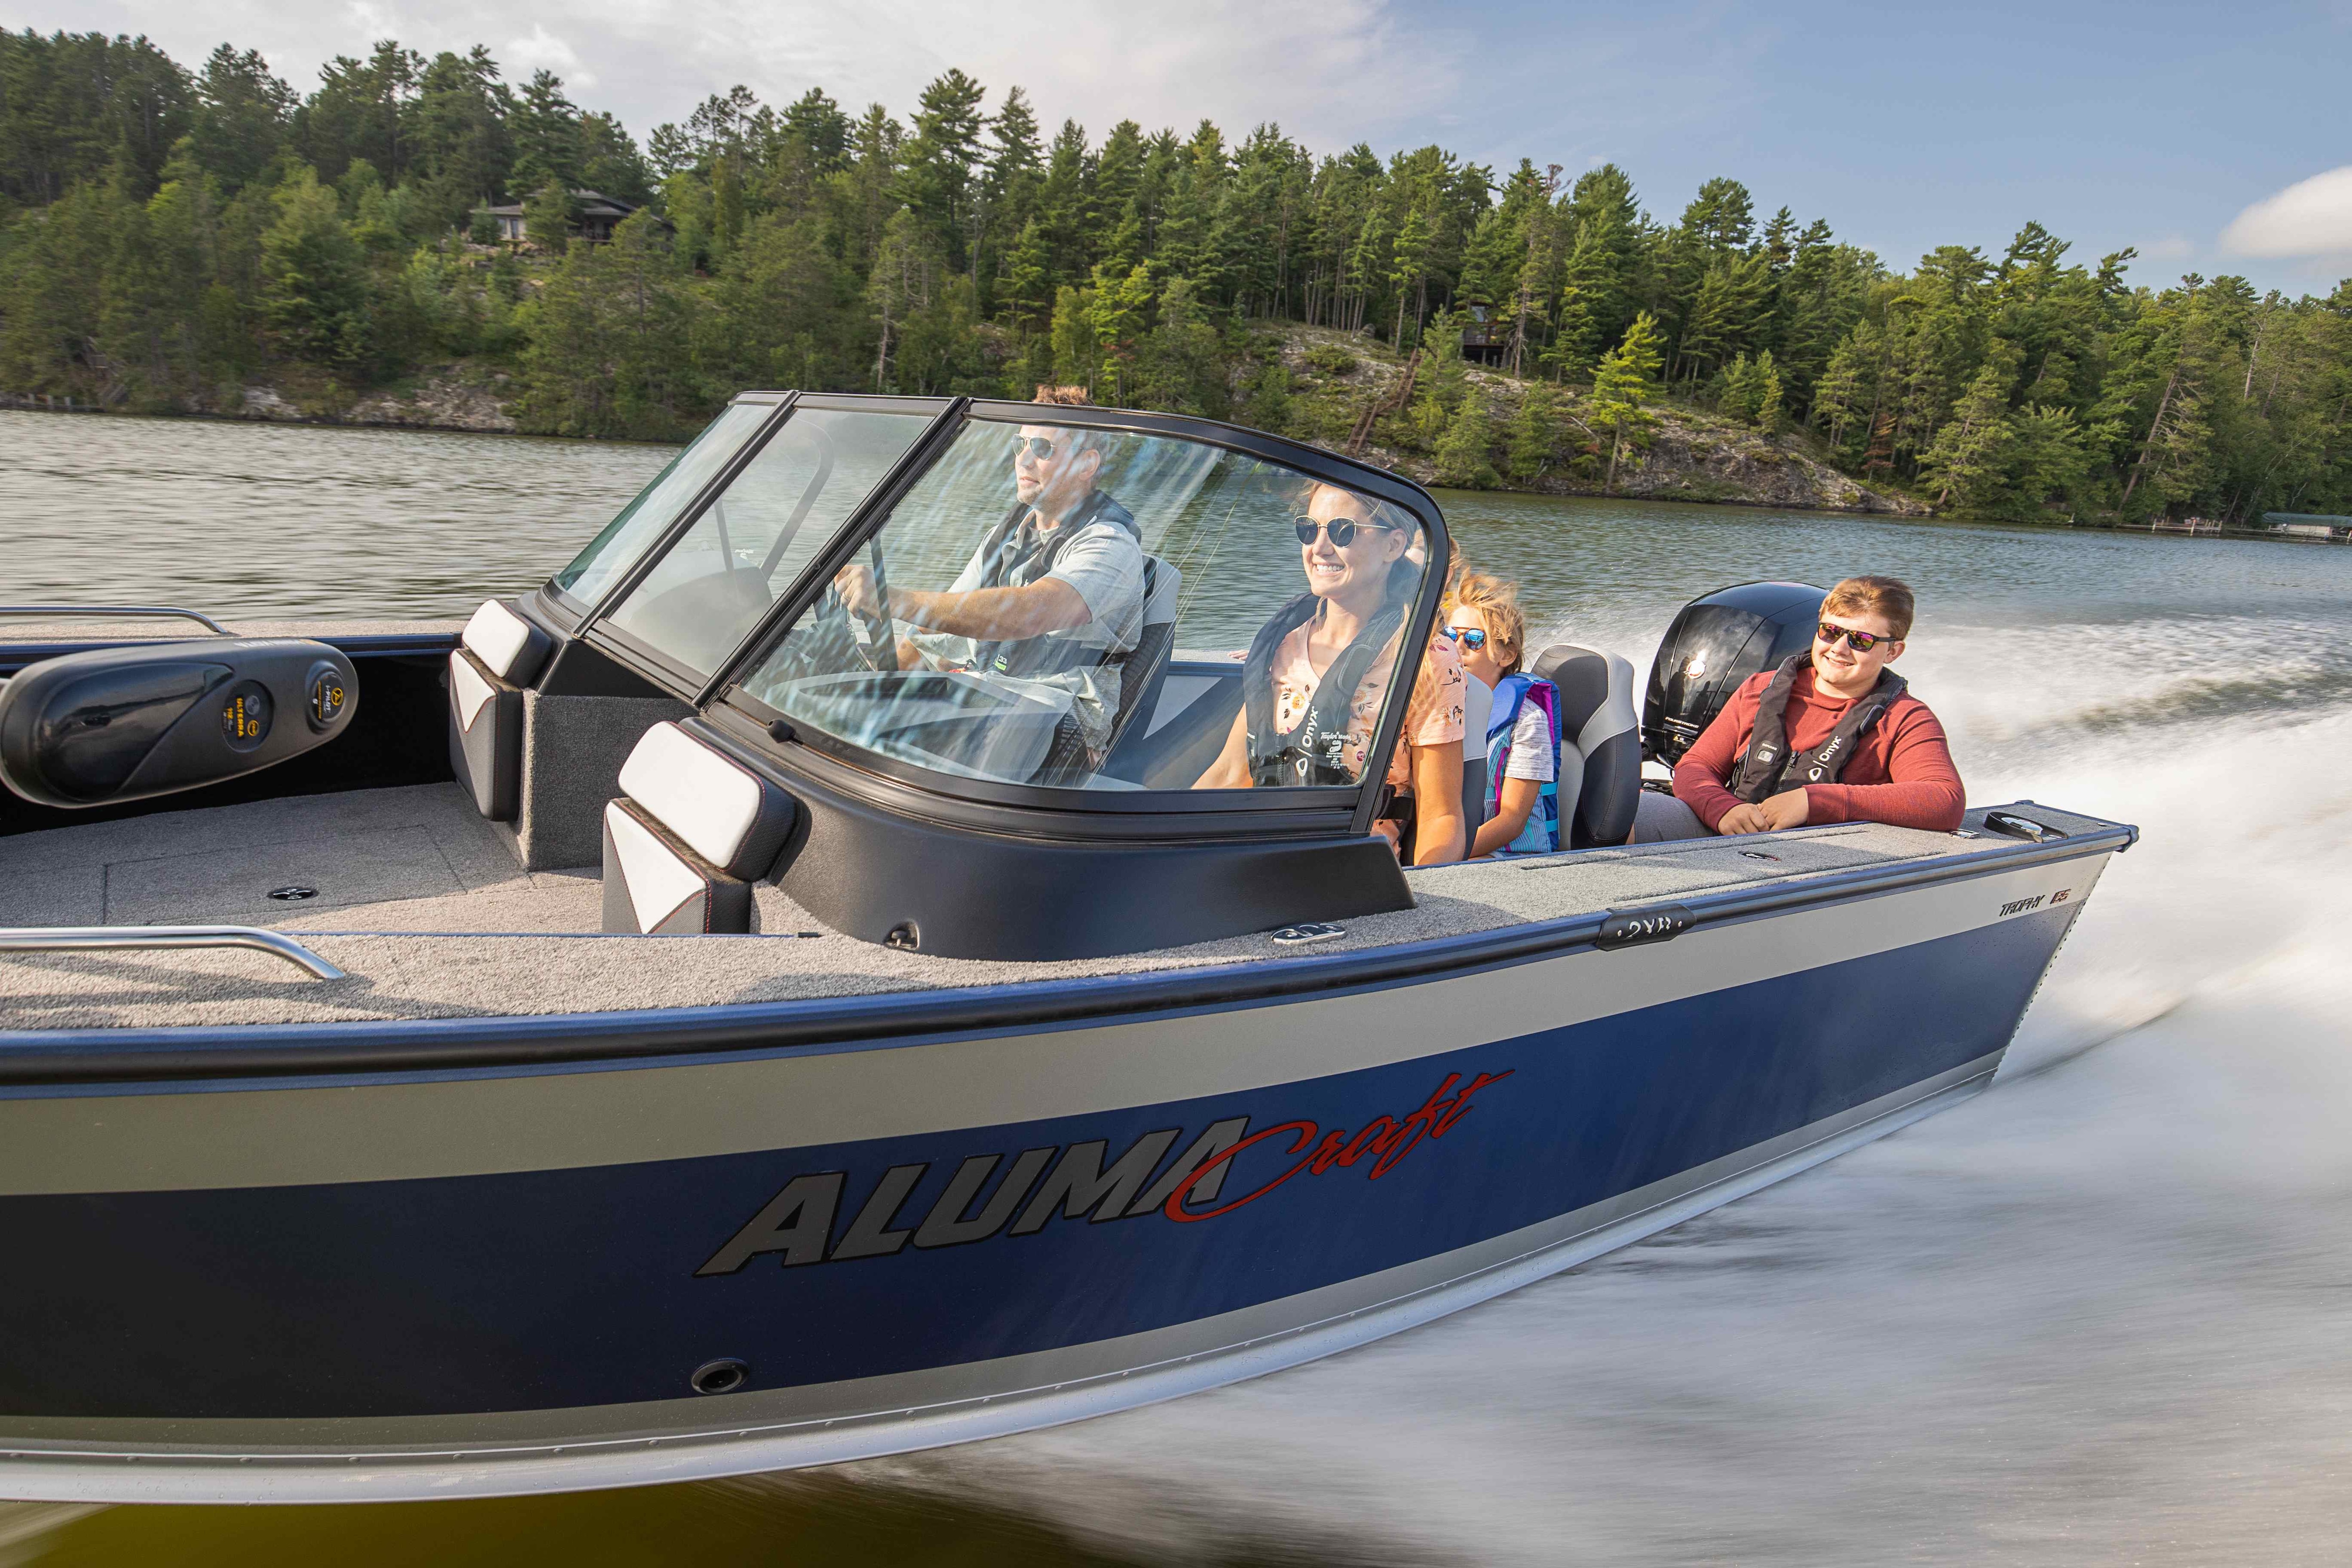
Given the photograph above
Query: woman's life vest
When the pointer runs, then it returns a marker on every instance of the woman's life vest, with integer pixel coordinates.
(1313, 750)
(1016, 554)
(1513, 693)
(1758, 775)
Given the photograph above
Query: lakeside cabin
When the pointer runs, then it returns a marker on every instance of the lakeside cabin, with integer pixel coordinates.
(594, 217)
(1485, 337)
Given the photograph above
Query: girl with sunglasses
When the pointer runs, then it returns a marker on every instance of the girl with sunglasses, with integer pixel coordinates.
(1522, 739)
(1832, 735)
(1317, 676)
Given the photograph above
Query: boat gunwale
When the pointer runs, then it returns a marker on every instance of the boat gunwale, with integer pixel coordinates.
(39, 1058)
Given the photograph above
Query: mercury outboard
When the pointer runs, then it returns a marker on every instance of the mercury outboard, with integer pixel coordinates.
(1719, 640)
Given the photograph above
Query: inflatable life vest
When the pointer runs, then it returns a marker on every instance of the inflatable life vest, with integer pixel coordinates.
(1015, 554)
(1541, 834)
(1758, 775)
(1314, 750)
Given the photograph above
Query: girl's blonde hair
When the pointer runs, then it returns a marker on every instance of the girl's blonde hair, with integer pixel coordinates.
(1496, 600)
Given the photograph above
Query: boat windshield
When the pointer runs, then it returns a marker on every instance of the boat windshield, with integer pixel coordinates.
(1011, 619)
(612, 553)
(703, 596)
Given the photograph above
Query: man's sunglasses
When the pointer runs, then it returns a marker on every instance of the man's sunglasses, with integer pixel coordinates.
(1860, 642)
(1472, 637)
(1037, 448)
(1341, 529)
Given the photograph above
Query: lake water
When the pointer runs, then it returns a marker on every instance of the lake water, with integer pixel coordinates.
(2099, 1314)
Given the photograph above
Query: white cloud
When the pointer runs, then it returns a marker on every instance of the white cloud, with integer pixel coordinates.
(2172, 247)
(2312, 217)
(545, 51)
(1329, 71)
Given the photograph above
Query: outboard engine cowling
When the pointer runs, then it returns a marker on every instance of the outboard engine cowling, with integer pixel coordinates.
(1719, 640)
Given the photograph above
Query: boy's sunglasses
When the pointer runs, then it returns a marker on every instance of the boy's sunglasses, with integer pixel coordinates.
(1472, 637)
(1342, 529)
(1860, 642)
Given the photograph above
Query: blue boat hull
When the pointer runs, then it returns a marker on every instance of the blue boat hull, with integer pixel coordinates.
(427, 1323)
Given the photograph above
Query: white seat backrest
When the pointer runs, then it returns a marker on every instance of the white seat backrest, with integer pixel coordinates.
(726, 813)
(508, 647)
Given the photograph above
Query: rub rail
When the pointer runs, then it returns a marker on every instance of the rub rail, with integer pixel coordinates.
(116, 938)
(111, 613)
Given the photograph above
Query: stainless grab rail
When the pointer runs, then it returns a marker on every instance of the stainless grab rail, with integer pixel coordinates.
(112, 612)
(103, 939)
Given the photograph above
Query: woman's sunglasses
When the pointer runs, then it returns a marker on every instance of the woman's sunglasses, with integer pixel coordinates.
(1342, 529)
(1472, 637)
(1860, 642)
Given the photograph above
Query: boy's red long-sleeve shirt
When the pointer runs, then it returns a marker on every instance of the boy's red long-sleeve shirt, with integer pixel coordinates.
(1901, 773)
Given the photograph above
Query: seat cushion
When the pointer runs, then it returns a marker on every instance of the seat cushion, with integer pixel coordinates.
(486, 735)
(655, 884)
(509, 647)
(731, 816)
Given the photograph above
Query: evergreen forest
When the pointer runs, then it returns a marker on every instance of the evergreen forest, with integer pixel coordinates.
(171, 236)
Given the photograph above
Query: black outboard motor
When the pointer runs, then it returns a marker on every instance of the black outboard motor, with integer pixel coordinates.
(1717, 641)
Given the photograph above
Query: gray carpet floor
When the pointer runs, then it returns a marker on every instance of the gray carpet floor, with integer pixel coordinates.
(424, 907)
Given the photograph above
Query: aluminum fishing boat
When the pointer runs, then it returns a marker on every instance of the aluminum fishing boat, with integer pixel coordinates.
(759, 1000)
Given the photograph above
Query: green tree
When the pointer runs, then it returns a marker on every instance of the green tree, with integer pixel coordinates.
(1624, 383)
(1464, 456)
(314, 277)
(610, 343)
(548, 217)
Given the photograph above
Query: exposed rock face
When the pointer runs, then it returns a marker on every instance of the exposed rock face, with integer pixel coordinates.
(1691, 456)
(442, 401)
(442, 398)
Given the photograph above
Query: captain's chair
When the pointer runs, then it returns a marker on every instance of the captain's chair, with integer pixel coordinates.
(1600, 732)
(1143, 671)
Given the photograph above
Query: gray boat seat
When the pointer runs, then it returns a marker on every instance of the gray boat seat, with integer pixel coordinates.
(692, 831)
(1600, 732)
(499, 654)
(1142, 672)
(1478, 712)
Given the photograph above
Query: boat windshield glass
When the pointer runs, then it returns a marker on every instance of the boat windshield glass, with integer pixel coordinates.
(612, 553)
(1012, 618)
(755, 537)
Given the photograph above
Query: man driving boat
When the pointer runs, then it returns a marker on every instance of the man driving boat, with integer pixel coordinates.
(1053, 593)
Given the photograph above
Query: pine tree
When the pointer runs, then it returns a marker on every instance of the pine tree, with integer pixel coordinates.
(314, 280)
(1533, 442)
(1463, 458)
(1624, 383)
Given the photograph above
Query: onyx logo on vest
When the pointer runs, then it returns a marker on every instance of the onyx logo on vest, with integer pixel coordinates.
(1759, 775)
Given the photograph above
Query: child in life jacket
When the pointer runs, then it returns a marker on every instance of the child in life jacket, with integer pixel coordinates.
(1522, 740)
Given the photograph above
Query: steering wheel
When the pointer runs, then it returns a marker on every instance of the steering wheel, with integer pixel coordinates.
(884, 653)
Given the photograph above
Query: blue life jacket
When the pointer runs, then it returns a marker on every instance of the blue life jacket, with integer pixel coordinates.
(1512, 693)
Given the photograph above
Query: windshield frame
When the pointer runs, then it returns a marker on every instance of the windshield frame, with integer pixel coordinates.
(982, 801)
(584, 612)
(593, 622)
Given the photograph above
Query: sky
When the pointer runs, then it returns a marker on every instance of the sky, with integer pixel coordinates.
(2212, 137)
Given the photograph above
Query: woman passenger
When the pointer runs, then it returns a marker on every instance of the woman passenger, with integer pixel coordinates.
(1319, 672)
(1522, 737)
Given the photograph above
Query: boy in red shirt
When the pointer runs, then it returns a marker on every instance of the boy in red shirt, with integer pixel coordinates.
(1832, 735)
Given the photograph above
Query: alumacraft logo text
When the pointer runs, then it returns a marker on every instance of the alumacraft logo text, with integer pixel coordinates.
(798, 1223)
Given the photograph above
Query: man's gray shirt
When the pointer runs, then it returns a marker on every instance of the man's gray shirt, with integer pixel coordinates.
(1103, 564)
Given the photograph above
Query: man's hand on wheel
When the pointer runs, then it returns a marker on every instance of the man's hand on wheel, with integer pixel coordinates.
(856, 586)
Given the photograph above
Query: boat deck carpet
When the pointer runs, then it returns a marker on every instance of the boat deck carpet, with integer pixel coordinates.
(423, 904)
